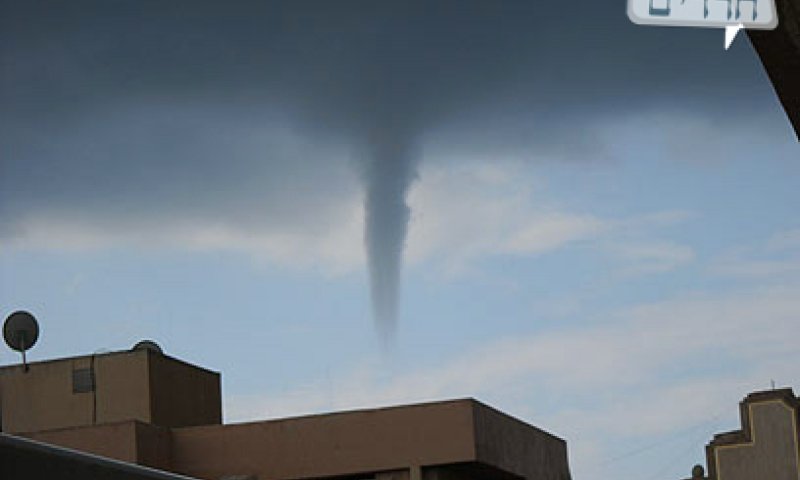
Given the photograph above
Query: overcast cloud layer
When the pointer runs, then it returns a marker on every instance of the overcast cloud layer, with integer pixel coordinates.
(120, 106)
(142, 115)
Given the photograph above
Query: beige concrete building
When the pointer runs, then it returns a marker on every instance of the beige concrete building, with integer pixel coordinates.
(150, 409)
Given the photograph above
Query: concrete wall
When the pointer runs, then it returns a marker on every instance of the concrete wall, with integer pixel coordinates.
(129, 441)
(122, 387)
(116, 440)
(767, 446)
(454, 440)
(154, 446)
(339, 444)
(131, 385)
(772, 452)
(42, 398)
(517, 447)
(183, 395)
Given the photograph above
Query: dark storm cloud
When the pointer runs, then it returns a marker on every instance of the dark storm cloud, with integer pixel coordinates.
(352, 61)
(123, 75)
(180, 108)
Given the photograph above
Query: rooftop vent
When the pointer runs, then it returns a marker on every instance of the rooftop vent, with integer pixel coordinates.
(147, 345)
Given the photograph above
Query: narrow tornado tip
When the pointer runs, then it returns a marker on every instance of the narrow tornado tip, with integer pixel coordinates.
(390, 171)
(387, 221)
(386, 329)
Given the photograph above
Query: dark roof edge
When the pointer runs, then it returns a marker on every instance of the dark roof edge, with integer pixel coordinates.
(104, 354)
(14, 442)
(743, 435)
(421, 404)
(515, 419)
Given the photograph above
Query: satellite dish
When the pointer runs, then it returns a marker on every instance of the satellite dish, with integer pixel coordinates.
(20, 332)
(148, 345)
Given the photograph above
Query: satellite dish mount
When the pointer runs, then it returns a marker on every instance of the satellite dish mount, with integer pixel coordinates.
(21, 331)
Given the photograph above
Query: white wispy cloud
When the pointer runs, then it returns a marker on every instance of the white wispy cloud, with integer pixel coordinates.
(775, 258)
(329, 250)
(461, 214)
(477, 210)
(551, 231)
(655, 257)
(786, 240)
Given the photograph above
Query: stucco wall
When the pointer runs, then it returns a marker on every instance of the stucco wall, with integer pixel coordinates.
(153, 446)
(130, 385)
(42, 398)
(116, 440)
(129, 441)
(182, 394)
(519, 448)
(772, 450)
(329, 445)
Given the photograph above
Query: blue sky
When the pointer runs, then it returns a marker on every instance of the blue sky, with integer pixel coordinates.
(616, 265)
(618, 305)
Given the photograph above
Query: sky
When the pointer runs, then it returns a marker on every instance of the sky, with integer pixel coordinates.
(588, 224)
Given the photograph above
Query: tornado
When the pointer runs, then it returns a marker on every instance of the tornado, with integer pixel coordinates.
(390, 170)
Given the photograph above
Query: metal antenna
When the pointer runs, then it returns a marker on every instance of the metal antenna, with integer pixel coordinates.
(21, 338)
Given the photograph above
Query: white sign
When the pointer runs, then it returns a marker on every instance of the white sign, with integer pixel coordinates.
(759, 14)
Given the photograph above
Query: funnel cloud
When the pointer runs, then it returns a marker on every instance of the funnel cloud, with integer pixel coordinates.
(389, 171)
